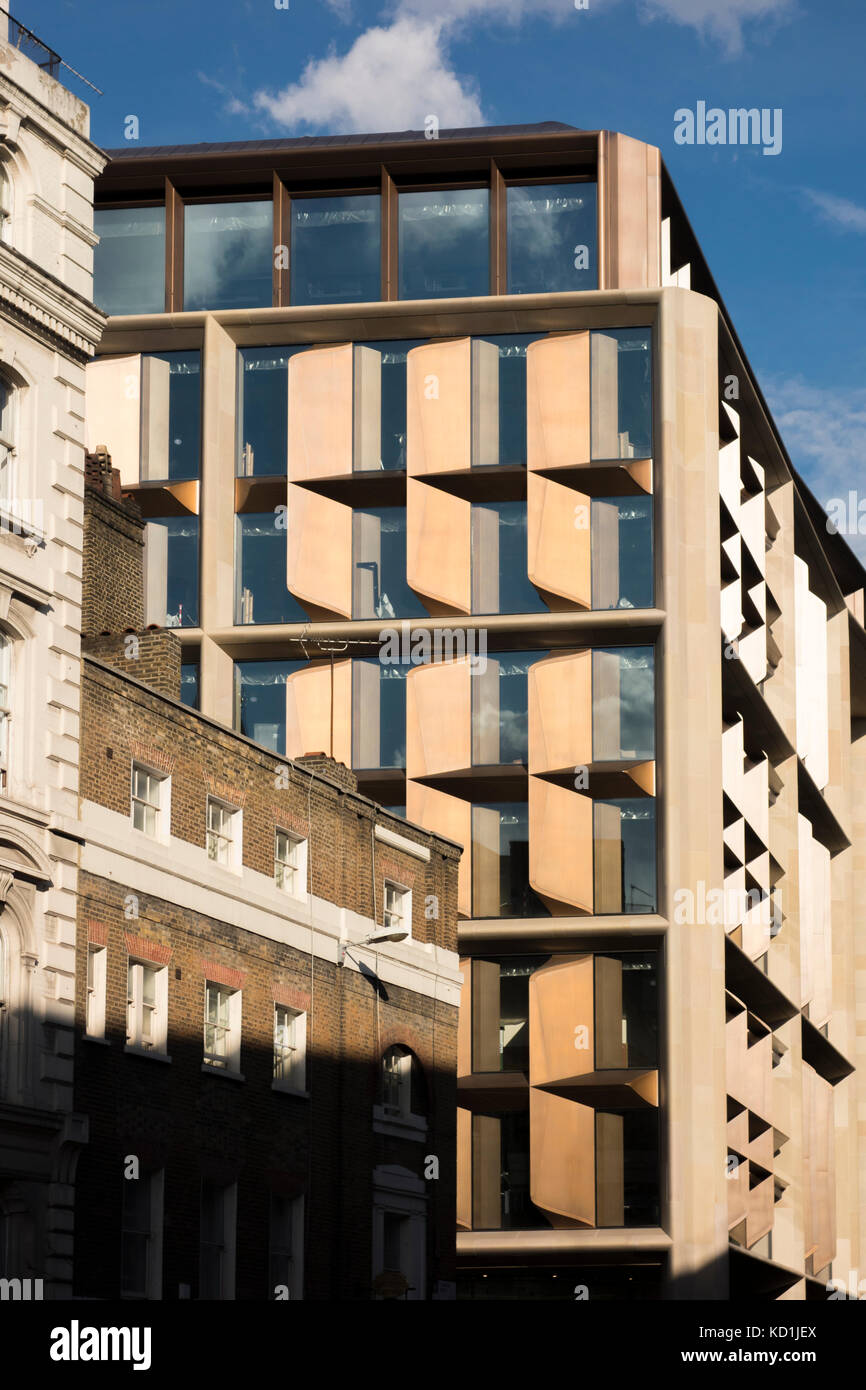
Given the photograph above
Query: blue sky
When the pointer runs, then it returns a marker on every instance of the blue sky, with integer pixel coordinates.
(785, 235)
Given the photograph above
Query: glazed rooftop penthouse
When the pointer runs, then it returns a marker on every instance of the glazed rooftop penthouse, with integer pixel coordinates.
(487, 382)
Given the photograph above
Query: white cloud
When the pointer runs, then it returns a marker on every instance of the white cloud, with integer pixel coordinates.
(396, 74)
(400, 71)
(841, 211)
(824, 429)
(390, 79)
(719, 19)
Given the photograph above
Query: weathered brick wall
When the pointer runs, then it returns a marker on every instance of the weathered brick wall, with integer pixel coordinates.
(112, 564)
(196, 1125)
(152, 656)
(122, 720)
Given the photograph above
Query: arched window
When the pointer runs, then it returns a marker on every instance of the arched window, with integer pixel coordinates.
(8, 428)
(5, 713)
(5, 205)
(403, 1091)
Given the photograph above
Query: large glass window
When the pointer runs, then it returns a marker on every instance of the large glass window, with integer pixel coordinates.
(552, 238)
(228, 255)
(260, 700)
(626, 1170)
(170, 416)
(500, 862)
(500, 1173)
(8, 444)
(500, 1012)
(621, 393)
(512, 396)
(5, 713)
(499, 559)
(129, 262)
(621, 530)
(628, 979)
(263, 408)
(623, 704)
(627, 1143)
(189, 676)
(500, 708)
(336, 250)
(393, 401)
(261, 595)
(379, 565)
(624, 843)
(181, 587)
(379, 714)
(625, 1010)
(444, 244)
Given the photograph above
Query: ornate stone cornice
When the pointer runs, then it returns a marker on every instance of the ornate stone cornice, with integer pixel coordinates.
(49, 307)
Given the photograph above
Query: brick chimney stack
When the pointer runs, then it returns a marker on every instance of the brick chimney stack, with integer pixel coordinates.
(112, 604)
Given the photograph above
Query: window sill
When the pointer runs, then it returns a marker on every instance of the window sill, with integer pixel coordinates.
(94, 1038)
(302, 897)
(236, 870)
(151, 839)
(148, 1052)
(399, 1126)
(229, 1075)
(289, 1090)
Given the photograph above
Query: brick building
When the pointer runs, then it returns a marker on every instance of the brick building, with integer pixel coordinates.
(245, 1089)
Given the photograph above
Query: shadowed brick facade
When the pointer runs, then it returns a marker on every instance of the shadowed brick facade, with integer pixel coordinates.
(161, 901)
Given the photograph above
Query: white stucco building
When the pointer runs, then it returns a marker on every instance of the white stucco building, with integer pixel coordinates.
(48, 329)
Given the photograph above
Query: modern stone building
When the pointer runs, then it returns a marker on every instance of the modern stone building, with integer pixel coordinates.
(270, 1099)
(48, 330)
(453, 466)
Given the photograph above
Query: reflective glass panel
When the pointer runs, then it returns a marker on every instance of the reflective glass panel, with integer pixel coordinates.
(621, 530)
(512, 395)
(444, 244)
(624, 834)
(623, 704)
(379, 714)
(189, 683)
(621, 370)
(393, 402)
(228, 255)
(336, 250)
(500, 708)
(500, 583)
(181, 597)
(552, 238)
(260, 700)
(263, 407)
(171, 416)
(379, 565)
(500, 862)
(261, 595)
(129, 262)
